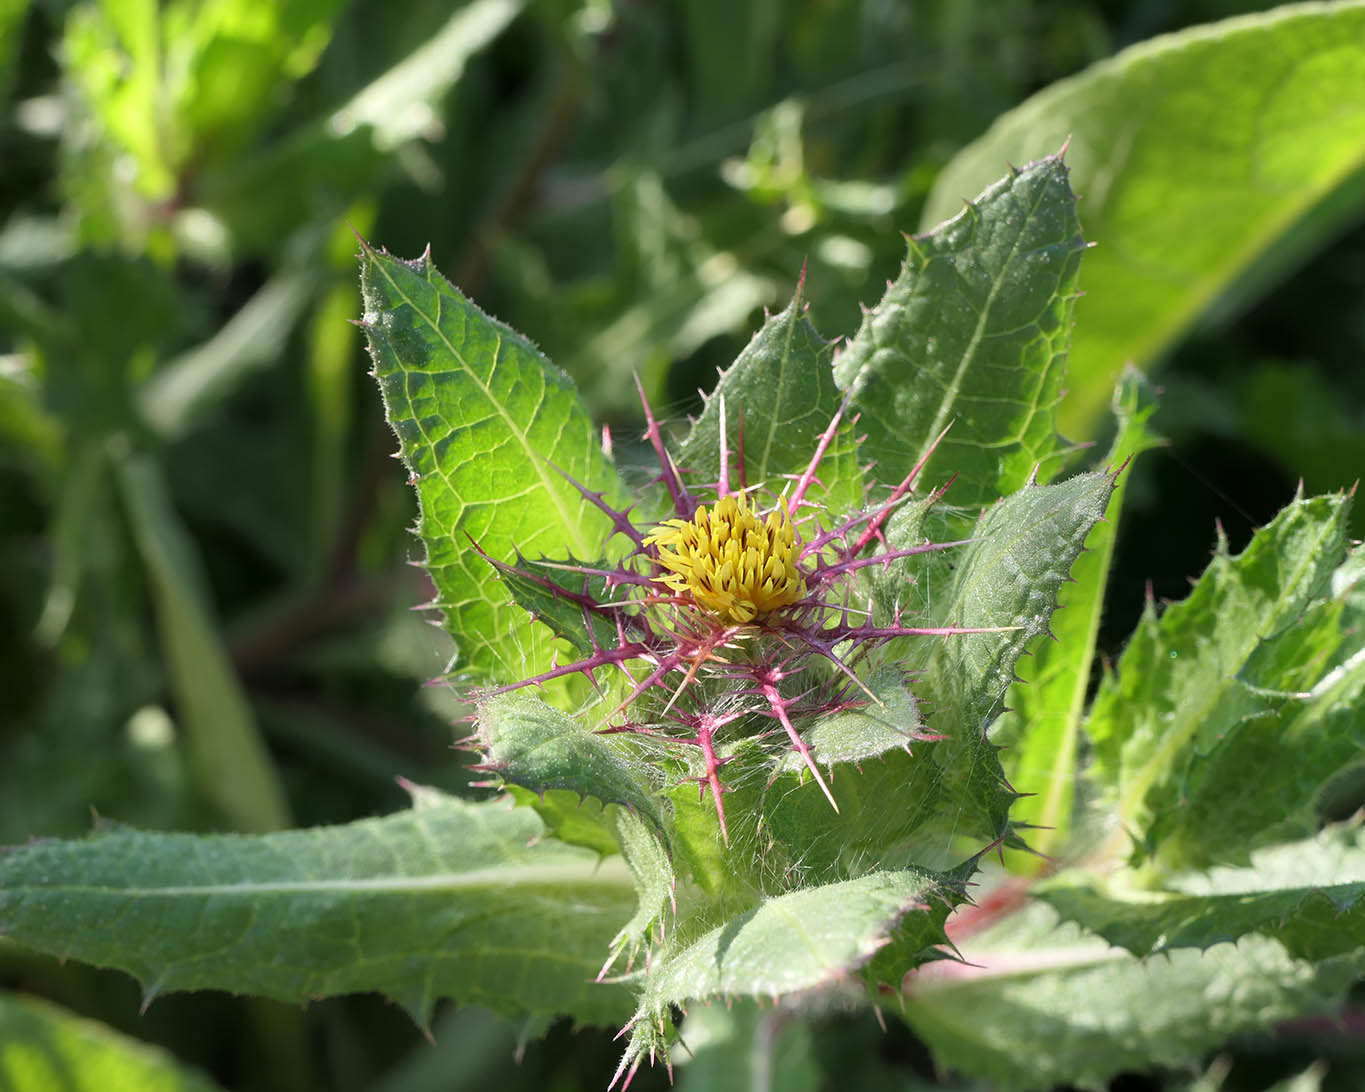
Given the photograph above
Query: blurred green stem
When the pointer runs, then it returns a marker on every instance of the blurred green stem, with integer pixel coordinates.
(231, 765)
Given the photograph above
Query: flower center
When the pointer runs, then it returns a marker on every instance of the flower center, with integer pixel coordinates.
(730, 560)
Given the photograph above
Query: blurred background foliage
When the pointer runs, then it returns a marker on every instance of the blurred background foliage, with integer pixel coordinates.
(202, 539)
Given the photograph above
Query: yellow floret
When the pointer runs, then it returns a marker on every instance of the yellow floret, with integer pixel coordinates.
(729, 560)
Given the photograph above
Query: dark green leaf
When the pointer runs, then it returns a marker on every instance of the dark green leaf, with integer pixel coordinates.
(450, 899)
(232, 767)
(905, 798)
(555, 596)
(1036, 1006)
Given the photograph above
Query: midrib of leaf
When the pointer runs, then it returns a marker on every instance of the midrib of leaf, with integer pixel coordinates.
(611, 872)
(1177, 739)
(955, 388)
(550, 487)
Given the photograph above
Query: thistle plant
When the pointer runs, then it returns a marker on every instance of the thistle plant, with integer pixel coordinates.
(757, 729)
(744, 617)
(773, 669)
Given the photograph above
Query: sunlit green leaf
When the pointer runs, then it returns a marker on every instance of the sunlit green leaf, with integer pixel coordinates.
(1223, 657)
(488, 428)
(813, 938)
(44, 1048)
(1191, 153)
(779, 397)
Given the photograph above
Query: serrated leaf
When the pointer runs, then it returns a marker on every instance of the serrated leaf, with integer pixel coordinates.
(485, 423)
(973, 334)
(800, 941)
(449, 899)
(1183, 681)
(1041, 731)
(646, 854)
(1035, 1005)
(779, 397)
(1310, 896)
(1192, 153)
(1290, 749)
(44, 1047)
(570, 818)
(534, 745)
(1010, 575)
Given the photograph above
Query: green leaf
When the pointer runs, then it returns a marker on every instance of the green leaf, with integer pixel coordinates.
(264, 196)
(1310, 896)
(534, 746)
(1292, 747)
(891, 723)
(1192, 154)
(185, 386)
(398, 106)
(794, 943)
(1190, 676)
(906, 798)
(779, 396)
(1035, 1005)
(1010, 574)
(485, 424)
(568, 819)
(450, 899)
(973, 334)
(1041, 730)
(43, 1047)
(531, 744)
(232, 767)
(646, 854)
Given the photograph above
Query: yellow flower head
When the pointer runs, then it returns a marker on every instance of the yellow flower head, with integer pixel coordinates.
(731, 561)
